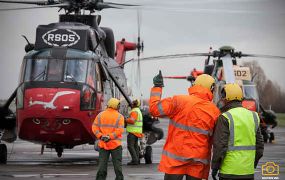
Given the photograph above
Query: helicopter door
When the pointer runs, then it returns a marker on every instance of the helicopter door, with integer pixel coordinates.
(88, 97)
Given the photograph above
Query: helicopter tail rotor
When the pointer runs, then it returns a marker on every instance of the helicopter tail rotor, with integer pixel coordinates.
(140, 47)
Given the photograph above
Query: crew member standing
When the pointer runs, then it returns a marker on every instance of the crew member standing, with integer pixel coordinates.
(134, 128)
(187, 150)
(238, 144)
(108, 128)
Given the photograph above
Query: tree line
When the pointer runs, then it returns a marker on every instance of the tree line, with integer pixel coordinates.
(270, 93)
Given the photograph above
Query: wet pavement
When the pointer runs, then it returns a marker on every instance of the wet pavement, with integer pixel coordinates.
(26, 162)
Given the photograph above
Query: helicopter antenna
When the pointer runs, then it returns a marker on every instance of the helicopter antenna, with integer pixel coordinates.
(29, 46)
(26, 39)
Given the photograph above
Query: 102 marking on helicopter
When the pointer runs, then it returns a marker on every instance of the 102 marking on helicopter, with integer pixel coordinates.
(66, 78)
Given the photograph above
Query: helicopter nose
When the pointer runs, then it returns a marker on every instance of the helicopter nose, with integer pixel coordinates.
(51, 124)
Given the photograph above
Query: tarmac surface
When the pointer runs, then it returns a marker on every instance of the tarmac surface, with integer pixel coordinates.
(26, 162)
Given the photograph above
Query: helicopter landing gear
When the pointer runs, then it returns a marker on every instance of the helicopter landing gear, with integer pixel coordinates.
(145, 149)
(3, 154)
(148, 155)
(3, 150)
(59, 151)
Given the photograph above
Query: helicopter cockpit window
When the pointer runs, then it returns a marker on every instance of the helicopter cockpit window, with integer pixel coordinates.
(36, 70)
(250, 92)
(55, 70)
(75, 71)
(91, 74)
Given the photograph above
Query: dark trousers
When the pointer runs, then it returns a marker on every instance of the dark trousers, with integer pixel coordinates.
(133, 147)
(178, 177)
(103, 163)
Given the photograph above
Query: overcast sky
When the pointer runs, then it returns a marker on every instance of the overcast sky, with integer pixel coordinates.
(167, 27)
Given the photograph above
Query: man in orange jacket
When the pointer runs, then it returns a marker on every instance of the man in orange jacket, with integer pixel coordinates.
(108, 127)
(187, 150)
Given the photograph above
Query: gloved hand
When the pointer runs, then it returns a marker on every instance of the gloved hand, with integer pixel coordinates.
(105, 138)
(158, 80)
(214, 173)
(191, 79)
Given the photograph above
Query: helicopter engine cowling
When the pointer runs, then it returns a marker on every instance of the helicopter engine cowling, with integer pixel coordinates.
(65, 34)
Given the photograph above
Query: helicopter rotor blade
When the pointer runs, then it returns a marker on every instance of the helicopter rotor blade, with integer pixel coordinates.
(106, 5)
(28, 2)
(175, 56)
(100, 6)
(36, 7)
(186, 9)
(263, 56)
(120, 4)
(70, 4)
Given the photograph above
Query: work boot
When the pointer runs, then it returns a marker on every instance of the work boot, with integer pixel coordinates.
(133, 163)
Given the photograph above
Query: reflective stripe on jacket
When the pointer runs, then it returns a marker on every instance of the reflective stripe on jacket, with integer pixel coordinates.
(137, 119)
(240, 156)
(187, 149)
(109, 122)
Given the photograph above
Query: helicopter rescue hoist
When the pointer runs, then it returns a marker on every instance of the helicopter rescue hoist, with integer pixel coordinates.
(66, 79)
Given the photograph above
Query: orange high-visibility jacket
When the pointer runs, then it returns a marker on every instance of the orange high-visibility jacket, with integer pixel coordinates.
(192, 118)
(109, 122)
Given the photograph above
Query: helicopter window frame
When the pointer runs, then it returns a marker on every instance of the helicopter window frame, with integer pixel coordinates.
(73, 77)
(28, 66)
(60, 79)
(253, 89)
(91, 74)
(104, 75)
(22, 71)
(98, 77)
(26, 77)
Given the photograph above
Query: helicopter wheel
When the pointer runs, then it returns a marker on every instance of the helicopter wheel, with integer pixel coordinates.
(59, 151)
(148, 155)
(3, 154)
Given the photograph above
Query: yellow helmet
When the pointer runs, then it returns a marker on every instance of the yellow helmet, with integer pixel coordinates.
(205, 80)
(136, 103)
(232, 92)
(113, 103)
